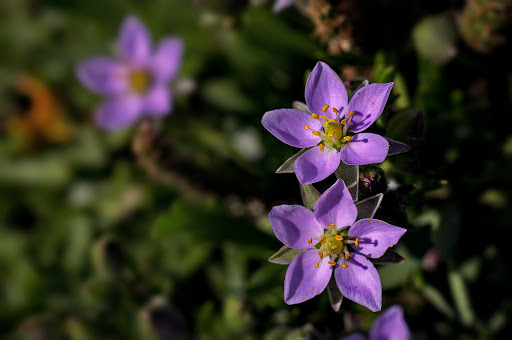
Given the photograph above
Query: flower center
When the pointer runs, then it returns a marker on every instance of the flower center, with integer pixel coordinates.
(335, 132)
(334, 245)
(140, 81)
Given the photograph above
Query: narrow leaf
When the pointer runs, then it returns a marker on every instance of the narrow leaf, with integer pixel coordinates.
(438, 301)
(461, 298)
(396, 147)
(367, 207)
(350, 175)
(285, 255)
(335, 296)
(300, 106)
(309, 195)
(389, 257)
(287, 166)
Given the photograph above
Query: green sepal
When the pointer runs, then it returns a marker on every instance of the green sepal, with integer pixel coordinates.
(350, 175)
(366, 208)
(396, 147)
(285, 255)
(335, 296)
(309, 195)
(297, 105)
(287, 166)
(389, 257)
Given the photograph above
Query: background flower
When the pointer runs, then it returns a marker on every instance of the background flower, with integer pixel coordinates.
(136, 83)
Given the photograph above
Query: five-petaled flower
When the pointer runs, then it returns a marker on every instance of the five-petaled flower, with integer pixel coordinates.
(389, 325)
(334, 241)
(136, 83)
(332, 130)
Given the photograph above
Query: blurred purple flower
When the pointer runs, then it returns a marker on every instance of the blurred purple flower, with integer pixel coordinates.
(390, 325)
(279, 5)
(334, 241)
(135, 83)
(332, 132)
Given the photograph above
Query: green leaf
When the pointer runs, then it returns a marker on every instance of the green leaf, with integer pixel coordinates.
(350, 175)
(366, 208)
(461, 297)
(438, 301)
(287, 166)
(285, 255)
(208, 223)
(335, 296)
(309, 195)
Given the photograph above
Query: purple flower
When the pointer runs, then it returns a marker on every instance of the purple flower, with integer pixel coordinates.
(279, 5)
(334, 129)
(389, 325)
(334, 241)
(135, 83)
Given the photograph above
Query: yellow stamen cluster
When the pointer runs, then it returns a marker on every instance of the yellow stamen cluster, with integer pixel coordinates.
(334, 134)
(334, 246)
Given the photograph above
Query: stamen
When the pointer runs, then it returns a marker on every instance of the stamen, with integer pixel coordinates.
(323, 239)
(321, 147)
(338, 237)
(316, 133)
(325, 107)
(331, 263)
(310, 241)
(344, 121)
(315, 116)
(335, 110)
(357, 241)
(350, 114)
(331, 225)
(306, 126)
(330, 134)
(344, 265)
(324, 117)
(347, 138)
(317, 265)
(321, 254)
(347, 254)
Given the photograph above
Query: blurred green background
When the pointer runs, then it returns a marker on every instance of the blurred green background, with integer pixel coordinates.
(161, 231)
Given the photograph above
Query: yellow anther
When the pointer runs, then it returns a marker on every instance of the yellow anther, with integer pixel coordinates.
(338, 237)
(344, 121)
(323, 239)
(330, 134)
(314, 115)
(350, 114)
(332, 120)
(347, 254)
(317, 265)
(321, 254)
(321, 147)
(324, 117)
(357, 241)
(325, 107)
(331, 225)
(332, 263)
(335, 110)
(344, 265)
(310, 241)
(306, 126)
(316, 133)
(347, 138)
